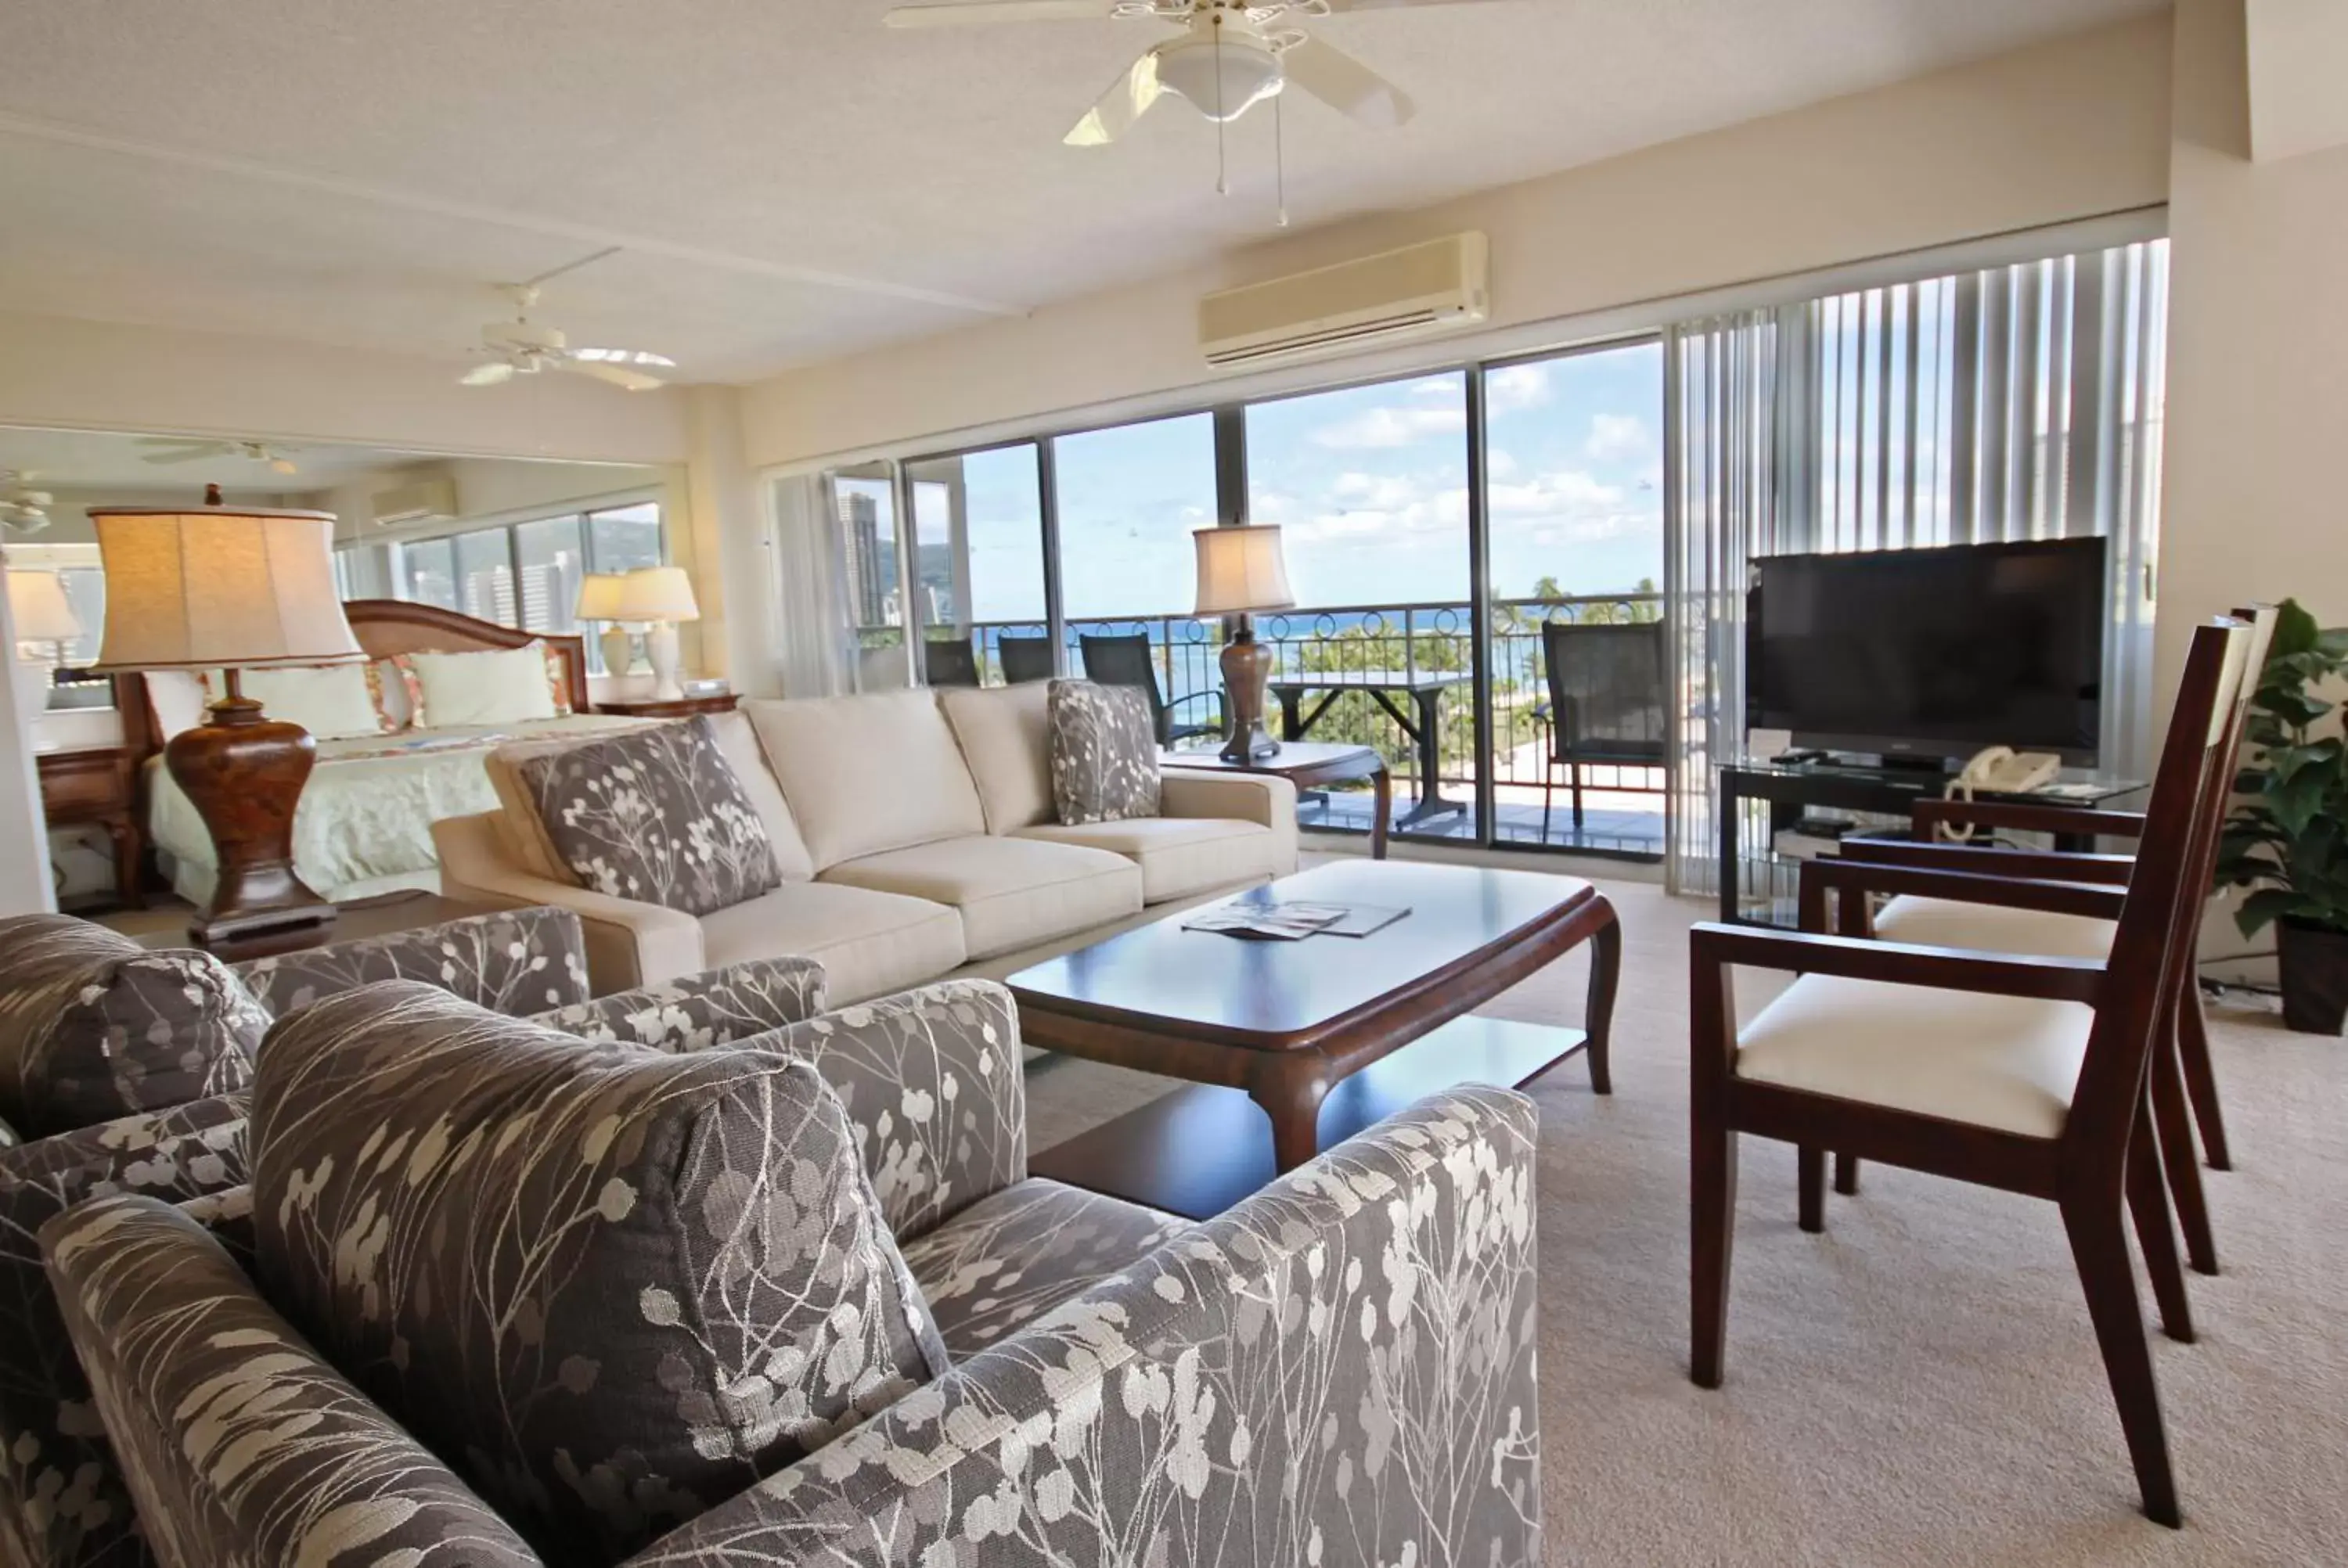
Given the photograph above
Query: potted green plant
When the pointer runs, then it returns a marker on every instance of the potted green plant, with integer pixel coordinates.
(2287, 838)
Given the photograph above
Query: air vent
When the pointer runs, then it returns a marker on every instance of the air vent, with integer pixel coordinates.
(426, 501)
(1432, 287)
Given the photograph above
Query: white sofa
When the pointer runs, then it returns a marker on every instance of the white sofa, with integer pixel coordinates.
(917, 839)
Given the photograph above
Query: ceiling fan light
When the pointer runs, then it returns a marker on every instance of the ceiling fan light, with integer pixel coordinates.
(1222, 82)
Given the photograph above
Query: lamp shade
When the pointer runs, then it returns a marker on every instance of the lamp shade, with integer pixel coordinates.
(656, 593)
(1241, 569)
(220, 585)
(599, 596)
(37, 604)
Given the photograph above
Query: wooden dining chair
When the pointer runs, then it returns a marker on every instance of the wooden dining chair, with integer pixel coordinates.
(2183, 1072)
(2020, 1073)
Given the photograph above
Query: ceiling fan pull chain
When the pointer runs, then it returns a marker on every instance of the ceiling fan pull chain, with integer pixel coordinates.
(1222, 125)
(1280, 157)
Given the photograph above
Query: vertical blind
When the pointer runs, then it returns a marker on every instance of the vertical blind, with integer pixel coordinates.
(2019, 403)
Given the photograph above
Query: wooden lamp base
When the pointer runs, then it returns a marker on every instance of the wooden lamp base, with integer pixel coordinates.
(1247, 664)
(243, 774)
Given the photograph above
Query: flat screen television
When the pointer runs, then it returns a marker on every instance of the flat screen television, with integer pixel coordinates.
(1931, 654)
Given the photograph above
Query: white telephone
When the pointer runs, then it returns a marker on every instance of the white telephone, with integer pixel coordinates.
(1999, 770)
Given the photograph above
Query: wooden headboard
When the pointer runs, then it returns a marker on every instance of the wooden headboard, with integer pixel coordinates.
(386, 627)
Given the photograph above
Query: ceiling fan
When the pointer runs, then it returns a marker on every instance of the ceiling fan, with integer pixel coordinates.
(178, 449)
(523, 347)
(23, 510)
(1232, 55)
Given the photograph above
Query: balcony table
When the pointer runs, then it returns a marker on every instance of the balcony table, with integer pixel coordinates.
(1424, 726)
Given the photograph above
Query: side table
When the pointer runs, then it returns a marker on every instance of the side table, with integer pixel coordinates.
(1303, 763)
(97, 787)
(670, 707)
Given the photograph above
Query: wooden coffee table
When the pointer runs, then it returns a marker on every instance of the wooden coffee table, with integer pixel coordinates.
(1324, 1036)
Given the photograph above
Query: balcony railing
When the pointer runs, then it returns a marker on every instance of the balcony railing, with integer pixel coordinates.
(1354, 643)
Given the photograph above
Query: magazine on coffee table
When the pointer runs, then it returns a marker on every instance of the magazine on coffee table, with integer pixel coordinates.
(1290, 922)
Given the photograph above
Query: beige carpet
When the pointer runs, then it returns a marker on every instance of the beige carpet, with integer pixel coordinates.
(1920, 1385)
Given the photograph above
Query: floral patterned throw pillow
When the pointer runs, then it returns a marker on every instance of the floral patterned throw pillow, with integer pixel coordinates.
(610, 1287)
(656, 816)
(1104, 751)
(94, 1027)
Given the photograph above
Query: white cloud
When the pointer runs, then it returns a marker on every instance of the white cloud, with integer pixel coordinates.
(1501, 463)
(1387, 426)
(1516, 387)
(1615, 436)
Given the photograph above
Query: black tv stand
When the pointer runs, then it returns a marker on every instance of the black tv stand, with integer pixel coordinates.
(1793, 790)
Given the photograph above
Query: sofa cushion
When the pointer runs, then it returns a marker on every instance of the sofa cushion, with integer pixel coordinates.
(1013, 1256)
(1103, 752)
(656, 816)
(92, 1026)
(739, 742)
(870, 944)
(867, 775)
(2006, 1062)
(1005, 737)
(611, 1287)
(1178, 855)
(1010, 892)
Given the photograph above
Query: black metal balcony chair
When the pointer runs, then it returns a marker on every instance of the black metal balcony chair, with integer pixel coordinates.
(1130, 660)
(949, 661)
(1025, 658)
(1606, 695)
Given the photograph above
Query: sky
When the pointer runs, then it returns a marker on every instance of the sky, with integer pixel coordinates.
(1369, 485)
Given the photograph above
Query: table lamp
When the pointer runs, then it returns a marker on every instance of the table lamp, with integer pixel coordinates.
(599, 599)
(43, 619)
(231, 589)
(660, 596)
(1241, 571)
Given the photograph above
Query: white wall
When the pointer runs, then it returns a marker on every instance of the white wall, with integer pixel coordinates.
(25, 887)
(2257, 362)
(94, 376)
(2066, 130)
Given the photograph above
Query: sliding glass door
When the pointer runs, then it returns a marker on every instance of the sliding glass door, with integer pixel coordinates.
(1574, 510)
(1432, 525)
(1370, 487)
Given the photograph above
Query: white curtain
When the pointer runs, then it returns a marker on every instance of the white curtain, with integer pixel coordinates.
(816, 644)
(2019, 403)
(1721, 478)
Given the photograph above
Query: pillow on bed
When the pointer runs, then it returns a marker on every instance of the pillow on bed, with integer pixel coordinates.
(176, 700)
(333, 702)
(503, 686)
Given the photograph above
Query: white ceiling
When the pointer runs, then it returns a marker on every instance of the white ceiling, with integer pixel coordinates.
(789, 179)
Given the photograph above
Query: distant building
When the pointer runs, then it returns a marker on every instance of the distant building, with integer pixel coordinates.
(872, 572)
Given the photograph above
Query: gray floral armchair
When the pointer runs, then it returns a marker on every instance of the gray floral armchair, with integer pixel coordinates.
(1339, 1370)
(62, 1505)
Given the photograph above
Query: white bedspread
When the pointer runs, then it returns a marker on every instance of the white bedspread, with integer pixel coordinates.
(364, 824)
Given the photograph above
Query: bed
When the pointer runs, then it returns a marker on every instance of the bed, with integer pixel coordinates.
(364, 822)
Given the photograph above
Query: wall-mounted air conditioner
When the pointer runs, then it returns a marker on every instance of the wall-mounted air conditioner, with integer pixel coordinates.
(1426, 288)
(426, 502)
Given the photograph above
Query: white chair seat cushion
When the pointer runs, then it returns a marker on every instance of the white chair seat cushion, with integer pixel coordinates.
(1011, 892)
(870, 944)
(1178, 855)
(2006, 1062)
(1990, 929)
